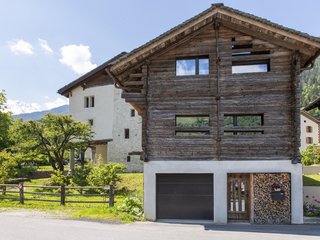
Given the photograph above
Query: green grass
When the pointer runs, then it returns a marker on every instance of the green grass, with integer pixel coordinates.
(311, 180)
(131, 184)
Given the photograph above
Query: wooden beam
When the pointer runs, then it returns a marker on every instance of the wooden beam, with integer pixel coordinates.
(133, 83)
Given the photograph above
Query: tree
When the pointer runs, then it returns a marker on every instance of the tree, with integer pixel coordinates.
(311, 155)
(5, 122)
(52, 135)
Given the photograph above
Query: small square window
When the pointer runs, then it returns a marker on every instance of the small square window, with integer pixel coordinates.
(128, 158)
(132, 112)
(90, 121)
(309, 140)
(309, 129)
(192, 66)
(126, 133)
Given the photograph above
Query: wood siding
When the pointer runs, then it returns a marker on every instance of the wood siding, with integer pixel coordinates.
(165, 95)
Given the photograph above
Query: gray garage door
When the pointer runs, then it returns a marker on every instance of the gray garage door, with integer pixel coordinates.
(185, 196)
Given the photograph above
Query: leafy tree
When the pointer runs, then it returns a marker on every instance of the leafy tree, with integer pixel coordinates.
(311, 155)
(8, 166)
(52, 136)
(5, 122)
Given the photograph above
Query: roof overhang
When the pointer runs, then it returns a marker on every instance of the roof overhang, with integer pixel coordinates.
(307, 45)
(314, 104)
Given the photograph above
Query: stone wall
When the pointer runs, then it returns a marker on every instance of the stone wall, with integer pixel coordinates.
(267, 211)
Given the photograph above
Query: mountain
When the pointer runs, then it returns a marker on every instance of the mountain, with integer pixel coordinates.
(37, 115)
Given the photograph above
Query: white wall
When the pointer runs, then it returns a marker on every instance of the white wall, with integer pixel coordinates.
(120, 147)
(314, 134)
(101, 113)
(220, 170)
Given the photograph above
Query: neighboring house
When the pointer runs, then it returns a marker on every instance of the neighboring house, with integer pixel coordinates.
(310, 130)
(117, 126)
(219, 100)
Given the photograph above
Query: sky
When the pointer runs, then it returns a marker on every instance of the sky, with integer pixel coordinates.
(45, 44)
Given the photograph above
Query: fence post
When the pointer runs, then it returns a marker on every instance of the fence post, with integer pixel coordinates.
(63, 195)
(111, 196)
(21, 193)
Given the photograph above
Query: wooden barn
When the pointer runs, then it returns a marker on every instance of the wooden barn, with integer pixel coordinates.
(219, 96)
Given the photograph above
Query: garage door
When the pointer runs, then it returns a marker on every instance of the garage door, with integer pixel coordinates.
(185, 196)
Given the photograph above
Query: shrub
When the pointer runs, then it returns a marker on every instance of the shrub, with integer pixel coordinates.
(310, 156)
(58, 179)
(311, 210)
(106, 174)
(131, 205)
(80, 175)
(8, 167)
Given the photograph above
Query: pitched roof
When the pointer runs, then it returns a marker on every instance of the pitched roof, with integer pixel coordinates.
(137, 54)
(84, 78)
(313, 104)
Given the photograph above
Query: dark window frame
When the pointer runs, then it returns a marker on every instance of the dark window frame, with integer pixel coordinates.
(128, 158)
(309, 129)
(197, 66)
(92, 101)
(132, 112)
(86, 102)
(91, 122)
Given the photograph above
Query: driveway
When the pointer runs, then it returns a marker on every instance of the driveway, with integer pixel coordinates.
(17, 225)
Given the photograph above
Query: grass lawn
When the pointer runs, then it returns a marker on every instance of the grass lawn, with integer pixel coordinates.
(131, 185)
(311, 180)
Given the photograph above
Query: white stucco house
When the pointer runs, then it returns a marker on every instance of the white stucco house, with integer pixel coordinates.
(310, 130)
(93, 98)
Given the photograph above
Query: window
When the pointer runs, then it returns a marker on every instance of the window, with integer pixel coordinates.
(132, 112)
(192, 66)
(89, 101)
(86, 102)
(255, 66)
(126, 133)
(237, 124)
(309, 129)
(92, 101)
(192, 125)
(128, 158)
(90, 121)
(309, 140)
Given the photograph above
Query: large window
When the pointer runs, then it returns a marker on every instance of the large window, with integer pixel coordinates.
(241, 124)
(192, 66)
(192, 125)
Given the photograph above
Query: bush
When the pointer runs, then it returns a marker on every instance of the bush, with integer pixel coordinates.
(8, 167)
(58, 179)
(80, 175)
(131, 205)
(310, 156)
(106, 174)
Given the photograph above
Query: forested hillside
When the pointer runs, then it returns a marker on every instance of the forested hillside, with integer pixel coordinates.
(311, 87)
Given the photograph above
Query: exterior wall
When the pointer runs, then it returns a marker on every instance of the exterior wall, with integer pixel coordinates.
(217, 94)
(111, 115)
(101, 113)
(314, 134)
(120, 147)
(265, 210)
(220, 169)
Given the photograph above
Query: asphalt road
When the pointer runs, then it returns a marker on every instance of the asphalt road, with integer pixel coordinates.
(33, 226)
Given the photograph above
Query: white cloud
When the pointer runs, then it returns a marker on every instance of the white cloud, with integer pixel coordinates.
(45, 46)
(77, 57)
(19, 46)
(17, 107)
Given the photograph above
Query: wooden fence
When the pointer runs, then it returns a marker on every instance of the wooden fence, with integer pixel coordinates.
(20, 192)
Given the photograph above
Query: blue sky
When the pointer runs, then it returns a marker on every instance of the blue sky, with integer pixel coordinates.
(45, 44)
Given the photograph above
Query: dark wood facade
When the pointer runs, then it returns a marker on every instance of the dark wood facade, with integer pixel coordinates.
(150, 83)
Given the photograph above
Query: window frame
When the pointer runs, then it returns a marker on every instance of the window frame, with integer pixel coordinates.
(197, 65)
(309, 129)
(236, 130)
(126, 133)
(248, 63)
(132, 112)
(192, 129)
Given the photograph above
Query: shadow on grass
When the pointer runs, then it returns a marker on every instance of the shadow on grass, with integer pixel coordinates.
(309, 181)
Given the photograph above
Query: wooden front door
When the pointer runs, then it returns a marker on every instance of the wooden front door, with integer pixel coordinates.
(239, 196)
